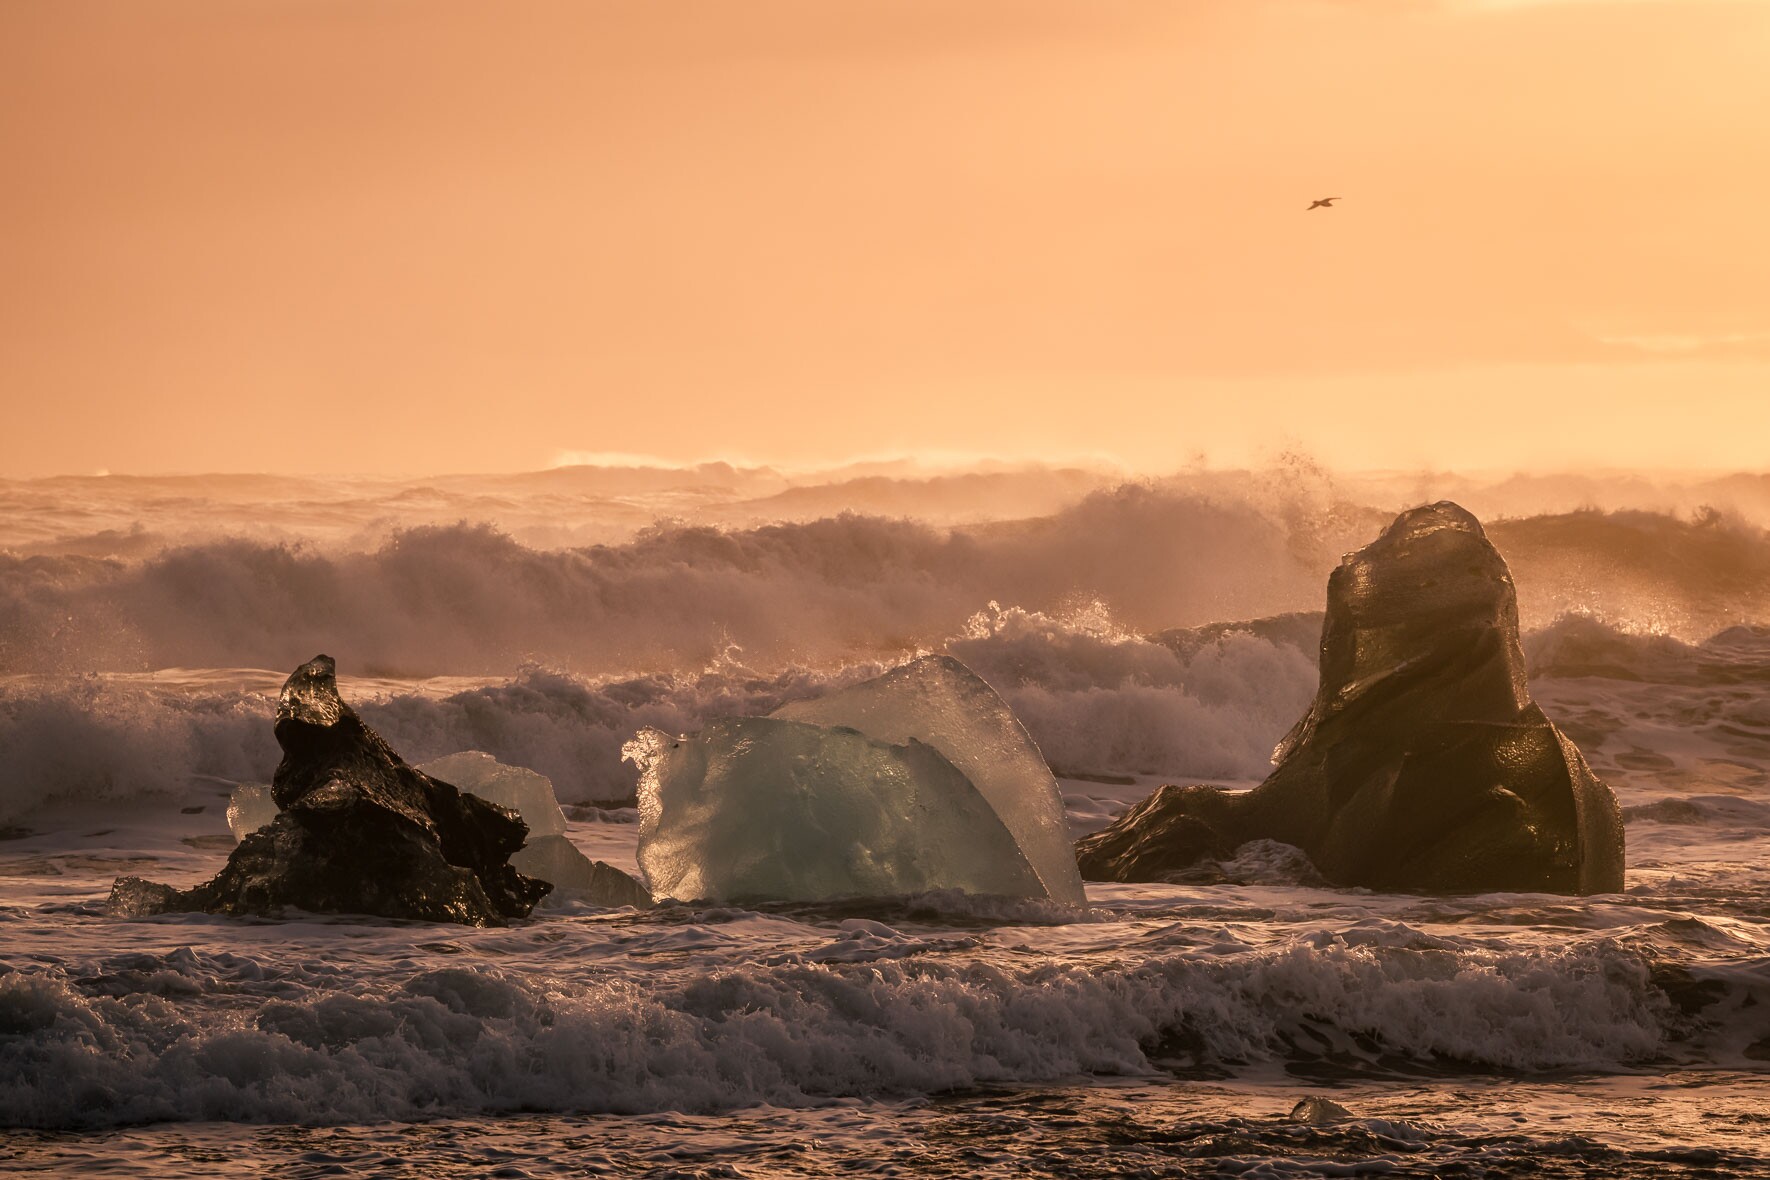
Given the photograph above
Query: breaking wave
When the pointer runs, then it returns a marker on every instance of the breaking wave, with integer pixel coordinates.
(1095, 698)
(1647, 572)
(1579, 645)
(470, 600)
(1199, 704)
(192, 1035)
(1105, 640)
(467, 599)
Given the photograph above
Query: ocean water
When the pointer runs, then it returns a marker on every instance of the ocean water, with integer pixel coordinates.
(1163, 1030)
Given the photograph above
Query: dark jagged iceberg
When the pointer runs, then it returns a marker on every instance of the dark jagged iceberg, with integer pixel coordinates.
(1423, 765)
(358, 831)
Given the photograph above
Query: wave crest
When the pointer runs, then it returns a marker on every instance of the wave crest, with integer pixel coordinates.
(190, 1035)
(469, 600)
(1095, 699)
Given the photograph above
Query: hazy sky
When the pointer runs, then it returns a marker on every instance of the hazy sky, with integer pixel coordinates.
(362, 235)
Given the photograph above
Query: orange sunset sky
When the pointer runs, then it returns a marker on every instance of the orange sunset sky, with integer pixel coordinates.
(362, 235)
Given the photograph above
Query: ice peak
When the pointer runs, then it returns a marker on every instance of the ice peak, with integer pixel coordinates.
(310, 695)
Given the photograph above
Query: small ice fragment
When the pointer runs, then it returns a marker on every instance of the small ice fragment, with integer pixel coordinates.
(547, 854)
(574, 876)
(760, 808)
(132, 897)
(250, 808)
(939, 701)
(1319, 1112)
(516, 787)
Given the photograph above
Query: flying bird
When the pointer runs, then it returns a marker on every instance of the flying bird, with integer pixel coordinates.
(1324, 203)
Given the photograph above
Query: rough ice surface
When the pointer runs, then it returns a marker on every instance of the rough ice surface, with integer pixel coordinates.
(522, 790)
(250, 808)
(939, 701)
(762, 808)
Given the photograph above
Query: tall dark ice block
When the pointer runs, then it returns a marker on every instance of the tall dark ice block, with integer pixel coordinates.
(1423, 765)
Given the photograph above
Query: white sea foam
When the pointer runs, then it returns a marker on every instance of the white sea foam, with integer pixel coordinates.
(1093, 697)
(1097, 699)
(198, 1035)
